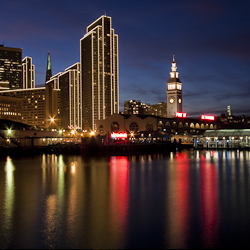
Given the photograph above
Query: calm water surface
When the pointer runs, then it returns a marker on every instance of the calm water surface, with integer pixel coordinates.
(193, 199)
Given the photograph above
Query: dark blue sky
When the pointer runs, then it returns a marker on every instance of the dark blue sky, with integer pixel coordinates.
(210, 40)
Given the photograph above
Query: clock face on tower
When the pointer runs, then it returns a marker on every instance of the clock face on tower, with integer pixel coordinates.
(171, 100)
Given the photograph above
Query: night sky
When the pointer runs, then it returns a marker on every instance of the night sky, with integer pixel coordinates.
(210, 40)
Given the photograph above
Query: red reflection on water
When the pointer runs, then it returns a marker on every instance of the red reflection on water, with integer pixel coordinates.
(179, 204)
(209, 201)
(119, 188)
(182, 195)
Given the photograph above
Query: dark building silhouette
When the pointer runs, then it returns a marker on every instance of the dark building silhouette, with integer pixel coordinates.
(11, 67)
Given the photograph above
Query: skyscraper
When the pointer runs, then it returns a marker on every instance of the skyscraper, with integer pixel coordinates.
(69, 84)
(28, 73)
(174, 92)
(48, 69)
(99, 72)
(11, 67)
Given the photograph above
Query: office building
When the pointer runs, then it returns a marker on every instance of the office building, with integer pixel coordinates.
(99, 72)
(174, 92)
(229, 114)
(136, 107)
(4, 86)
(11, 108)
(69, 84)
(40, 106)
(159, 109)
(28, 73)
(11, 66)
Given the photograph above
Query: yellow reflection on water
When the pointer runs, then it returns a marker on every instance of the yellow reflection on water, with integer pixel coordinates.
(54, 168)
(50, 221)
(9, 198)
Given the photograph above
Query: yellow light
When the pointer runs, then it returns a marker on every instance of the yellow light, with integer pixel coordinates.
(92, 133)
(9, 131)
(52, 120)
(60, 131)
(73, 132)
(132, 134)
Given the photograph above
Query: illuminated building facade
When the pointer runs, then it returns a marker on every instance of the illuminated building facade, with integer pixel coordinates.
(11, 108)
(11, 66)
(39, 106)
(174, 92)
(159, 109)
(4, 86)
(136, 107)
(99, 72)
(28, 73)
(71, 106)
(229, 114)
(149, 123)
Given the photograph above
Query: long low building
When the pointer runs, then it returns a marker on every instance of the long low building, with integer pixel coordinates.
(16, 134)
(224, 138)
(40, 106)
(142, 123)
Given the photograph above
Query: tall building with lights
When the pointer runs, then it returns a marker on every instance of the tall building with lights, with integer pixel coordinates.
(174, 92)
(99, 72)
(11, 67)
(71, 106)
(28, 73)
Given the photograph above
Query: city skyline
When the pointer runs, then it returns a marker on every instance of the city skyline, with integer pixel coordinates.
(210, 41)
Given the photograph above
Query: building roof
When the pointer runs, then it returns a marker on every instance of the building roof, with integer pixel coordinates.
(7, 124)
(227, 132)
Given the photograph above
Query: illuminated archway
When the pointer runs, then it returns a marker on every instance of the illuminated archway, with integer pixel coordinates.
(134, 127)
(115, 127)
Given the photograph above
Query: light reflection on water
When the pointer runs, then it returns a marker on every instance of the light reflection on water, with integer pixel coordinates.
(7, 223)
(179, 200)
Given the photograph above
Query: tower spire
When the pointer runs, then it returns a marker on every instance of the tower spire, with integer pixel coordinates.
(48, 69)
(173, 59)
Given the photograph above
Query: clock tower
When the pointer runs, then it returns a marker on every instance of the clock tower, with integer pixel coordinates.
(174, 92)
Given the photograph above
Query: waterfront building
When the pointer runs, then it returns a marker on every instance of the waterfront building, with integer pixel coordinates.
(99, 72)
(11, 108)
(149, 123)
(40, 106)
(28, 73)
(223, 138)
(11, 66)
(174, 92)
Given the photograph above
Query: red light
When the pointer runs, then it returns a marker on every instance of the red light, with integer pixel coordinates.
(119, 135)
(181, 115)
(208, 117)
